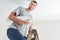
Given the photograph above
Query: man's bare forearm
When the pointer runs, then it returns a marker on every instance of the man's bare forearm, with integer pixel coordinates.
(12, 17)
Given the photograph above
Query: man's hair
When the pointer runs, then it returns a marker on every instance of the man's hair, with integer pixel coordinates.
(34, 1)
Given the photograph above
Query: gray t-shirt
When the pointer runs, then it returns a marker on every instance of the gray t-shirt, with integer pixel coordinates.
(21, 11)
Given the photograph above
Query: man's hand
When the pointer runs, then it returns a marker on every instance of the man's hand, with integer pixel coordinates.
(26, 22)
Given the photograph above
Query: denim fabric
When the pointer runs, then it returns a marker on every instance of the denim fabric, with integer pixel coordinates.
(14, 34)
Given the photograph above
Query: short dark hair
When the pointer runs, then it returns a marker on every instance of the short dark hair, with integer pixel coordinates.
(34, 1)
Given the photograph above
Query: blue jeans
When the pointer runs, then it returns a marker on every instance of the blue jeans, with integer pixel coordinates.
(14, 34)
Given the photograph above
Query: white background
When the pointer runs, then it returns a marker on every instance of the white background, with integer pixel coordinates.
(46, 17)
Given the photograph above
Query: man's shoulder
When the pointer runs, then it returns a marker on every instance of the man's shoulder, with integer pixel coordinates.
(21, 7)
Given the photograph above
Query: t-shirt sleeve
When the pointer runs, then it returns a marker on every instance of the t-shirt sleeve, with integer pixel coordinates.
(17, 11)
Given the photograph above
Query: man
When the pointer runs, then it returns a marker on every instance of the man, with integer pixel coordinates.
(13, 32)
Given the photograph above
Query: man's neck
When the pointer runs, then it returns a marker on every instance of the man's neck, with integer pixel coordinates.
(28, 9)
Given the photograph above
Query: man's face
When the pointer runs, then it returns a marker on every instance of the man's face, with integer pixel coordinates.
(32, 5)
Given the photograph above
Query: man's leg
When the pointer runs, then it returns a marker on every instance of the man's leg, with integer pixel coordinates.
(14, 34)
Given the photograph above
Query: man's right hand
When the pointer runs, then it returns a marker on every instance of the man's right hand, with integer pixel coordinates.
(26, 22)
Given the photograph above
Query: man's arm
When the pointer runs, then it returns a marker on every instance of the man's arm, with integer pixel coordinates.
(13, 18)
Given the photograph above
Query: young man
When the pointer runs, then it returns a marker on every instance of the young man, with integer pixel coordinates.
(13, 32)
